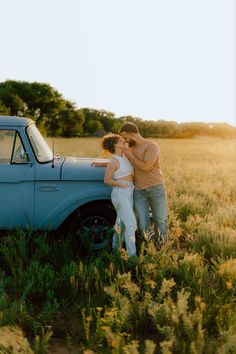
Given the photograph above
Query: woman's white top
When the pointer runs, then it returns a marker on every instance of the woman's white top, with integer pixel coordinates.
(125, 168)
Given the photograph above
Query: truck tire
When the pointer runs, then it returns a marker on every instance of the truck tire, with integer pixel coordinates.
(95, 225)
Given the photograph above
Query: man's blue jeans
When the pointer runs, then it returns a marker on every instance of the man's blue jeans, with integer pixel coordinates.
(154, 198)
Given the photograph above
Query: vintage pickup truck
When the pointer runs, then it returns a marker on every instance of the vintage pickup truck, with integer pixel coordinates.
(41, 192)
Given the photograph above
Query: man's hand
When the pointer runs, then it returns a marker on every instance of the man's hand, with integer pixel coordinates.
(145, 165)
(128, 153)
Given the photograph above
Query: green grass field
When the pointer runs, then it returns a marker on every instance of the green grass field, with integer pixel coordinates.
(180, 299)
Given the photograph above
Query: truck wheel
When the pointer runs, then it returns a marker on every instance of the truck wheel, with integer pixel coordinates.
(96, 224)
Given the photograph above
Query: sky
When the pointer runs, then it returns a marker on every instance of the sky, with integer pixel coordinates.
(153, 59)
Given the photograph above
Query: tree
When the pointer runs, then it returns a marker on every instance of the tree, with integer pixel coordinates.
(3, 109)
(105, 120)
(72, 122)
(94, 126)
(56, 116)
(44, 104)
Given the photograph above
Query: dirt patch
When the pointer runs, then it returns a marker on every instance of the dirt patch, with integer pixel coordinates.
(57, 346)
(12, 340)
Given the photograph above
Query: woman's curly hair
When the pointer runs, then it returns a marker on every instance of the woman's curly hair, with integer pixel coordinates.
(109, 141)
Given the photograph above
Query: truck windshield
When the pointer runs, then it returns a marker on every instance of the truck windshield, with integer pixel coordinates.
(41, 149)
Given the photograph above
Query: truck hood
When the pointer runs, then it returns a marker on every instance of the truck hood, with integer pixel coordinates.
(80, 169)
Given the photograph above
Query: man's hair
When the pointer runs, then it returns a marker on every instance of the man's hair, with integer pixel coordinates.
(109, 141)
(129, 127)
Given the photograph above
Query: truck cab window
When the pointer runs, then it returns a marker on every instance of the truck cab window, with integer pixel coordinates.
(11, 148)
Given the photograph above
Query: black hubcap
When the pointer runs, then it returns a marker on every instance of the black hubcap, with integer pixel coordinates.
(97, 228)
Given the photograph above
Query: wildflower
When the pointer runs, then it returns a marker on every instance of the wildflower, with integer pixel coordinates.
(151, 283)
(114, 344)
(150, 267)
(126, 335)
(198, 299)
(104, 328)
(229, 285)
(104, 320)
(99, 309)
(167, 285)
(199, 303)
(72, 280)
(228, 268)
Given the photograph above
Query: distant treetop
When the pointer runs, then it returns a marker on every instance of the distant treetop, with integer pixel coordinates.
(56, 116)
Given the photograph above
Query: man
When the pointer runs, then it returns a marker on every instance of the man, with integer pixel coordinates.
(149, 190)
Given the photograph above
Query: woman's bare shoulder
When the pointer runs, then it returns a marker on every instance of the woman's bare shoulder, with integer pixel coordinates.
(113, 162)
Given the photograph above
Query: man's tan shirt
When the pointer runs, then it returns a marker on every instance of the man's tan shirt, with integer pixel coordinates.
(148, 151)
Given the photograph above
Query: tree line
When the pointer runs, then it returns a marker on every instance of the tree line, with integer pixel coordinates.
(56, 116)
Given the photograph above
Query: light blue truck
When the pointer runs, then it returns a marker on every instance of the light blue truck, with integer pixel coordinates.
(40, 192)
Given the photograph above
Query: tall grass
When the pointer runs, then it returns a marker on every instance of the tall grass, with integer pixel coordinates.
(179, 299)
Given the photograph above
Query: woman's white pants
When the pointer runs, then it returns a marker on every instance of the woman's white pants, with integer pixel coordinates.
(125, 227)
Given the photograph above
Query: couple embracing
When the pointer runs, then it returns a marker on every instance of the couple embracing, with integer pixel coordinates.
(134, 173)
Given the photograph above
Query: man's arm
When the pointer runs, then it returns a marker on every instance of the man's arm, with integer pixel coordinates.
(150, 158)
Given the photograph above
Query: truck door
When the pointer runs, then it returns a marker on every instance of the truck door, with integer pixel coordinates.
(16, 182)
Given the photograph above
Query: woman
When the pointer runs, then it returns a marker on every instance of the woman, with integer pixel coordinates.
(119, 175)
